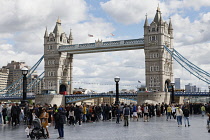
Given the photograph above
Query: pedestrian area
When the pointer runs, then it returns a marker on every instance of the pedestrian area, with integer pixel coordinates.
(156, 129)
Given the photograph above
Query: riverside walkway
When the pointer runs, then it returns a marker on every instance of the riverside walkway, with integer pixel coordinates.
(156, 129)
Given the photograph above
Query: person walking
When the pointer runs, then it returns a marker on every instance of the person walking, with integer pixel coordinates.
(44, 120)
(71, 116)
(179, 114)
(1, 107)
(203, 109)
(4, 113)
(173, 109)
(117, 114)
(186, 113)
(77, 113)
(169, 110)
(14, 114)
(126, 113)
(60, 120)
(135, 116)
(9, 114)
(146, 113)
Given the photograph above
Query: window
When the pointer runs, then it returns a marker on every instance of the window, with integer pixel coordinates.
(50, 47)
(153, 38)
(153, 29)
(151, 55)
(151, 68)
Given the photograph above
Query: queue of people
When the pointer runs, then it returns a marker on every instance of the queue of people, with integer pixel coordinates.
(73, 114)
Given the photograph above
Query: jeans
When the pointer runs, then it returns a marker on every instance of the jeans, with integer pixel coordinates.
(0, 118)
(84, 118)
(186, 119)
(60, 130)
(118, 118)
(179, 120)
(168, 115)
(203, 113)
(126, 120)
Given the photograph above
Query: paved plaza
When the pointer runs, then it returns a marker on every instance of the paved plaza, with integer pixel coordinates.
(156, 129)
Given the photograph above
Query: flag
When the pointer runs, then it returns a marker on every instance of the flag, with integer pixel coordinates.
(90, 35)
(112, 34)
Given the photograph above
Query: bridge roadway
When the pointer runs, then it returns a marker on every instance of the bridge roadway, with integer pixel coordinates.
(88, 96)
(156, 129)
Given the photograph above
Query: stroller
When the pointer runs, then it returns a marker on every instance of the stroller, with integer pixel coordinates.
(38, 131)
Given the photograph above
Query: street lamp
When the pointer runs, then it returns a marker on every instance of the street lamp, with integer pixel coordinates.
(117, 79)
(172, 92)
(24, 72)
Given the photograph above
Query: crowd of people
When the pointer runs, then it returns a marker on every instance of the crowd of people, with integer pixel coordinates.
(73, 114)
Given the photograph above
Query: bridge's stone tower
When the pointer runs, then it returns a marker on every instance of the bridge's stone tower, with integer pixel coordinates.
(58, 65)
(158, 62)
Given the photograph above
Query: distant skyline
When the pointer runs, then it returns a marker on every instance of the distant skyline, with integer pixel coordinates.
(23, 24)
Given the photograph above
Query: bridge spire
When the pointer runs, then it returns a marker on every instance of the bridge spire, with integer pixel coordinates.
(170, 25)
(146, 22)
(157, 16)
(58, 29)
(46, 33)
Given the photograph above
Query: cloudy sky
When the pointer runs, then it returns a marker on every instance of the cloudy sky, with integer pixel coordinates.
(23, 24)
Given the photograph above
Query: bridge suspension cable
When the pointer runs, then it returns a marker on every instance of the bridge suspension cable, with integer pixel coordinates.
(189, 66)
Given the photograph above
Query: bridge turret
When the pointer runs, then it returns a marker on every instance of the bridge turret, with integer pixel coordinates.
(58, 65)
(158, 63)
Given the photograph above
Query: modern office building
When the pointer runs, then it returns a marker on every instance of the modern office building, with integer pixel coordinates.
(191, 88)
(177, 83)
(3, 79)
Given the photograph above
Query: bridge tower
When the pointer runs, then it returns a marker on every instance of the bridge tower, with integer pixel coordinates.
(158, 62)
(58, 65)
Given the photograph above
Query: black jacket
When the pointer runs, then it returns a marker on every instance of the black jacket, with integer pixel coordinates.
(60, 117)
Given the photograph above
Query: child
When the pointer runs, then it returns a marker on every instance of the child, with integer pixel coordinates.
(28, 130)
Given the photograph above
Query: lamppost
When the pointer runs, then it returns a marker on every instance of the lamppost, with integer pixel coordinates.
(24, 72)
(117, 79)
(172, 92)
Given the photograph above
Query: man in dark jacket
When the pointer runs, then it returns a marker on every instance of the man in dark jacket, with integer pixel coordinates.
(77, 113)
(186, 113)
(126, 113)
(18, 113)
(14, 114)
(60, 120)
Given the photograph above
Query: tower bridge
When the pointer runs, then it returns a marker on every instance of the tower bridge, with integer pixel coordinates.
(59, 51)
(159, 53)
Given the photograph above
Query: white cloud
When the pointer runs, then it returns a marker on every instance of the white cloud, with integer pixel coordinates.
(23, 25)
(191, 32)
(129, 11)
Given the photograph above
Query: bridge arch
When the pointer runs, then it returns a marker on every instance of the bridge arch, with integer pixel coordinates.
(63, 89)
(167, 84)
